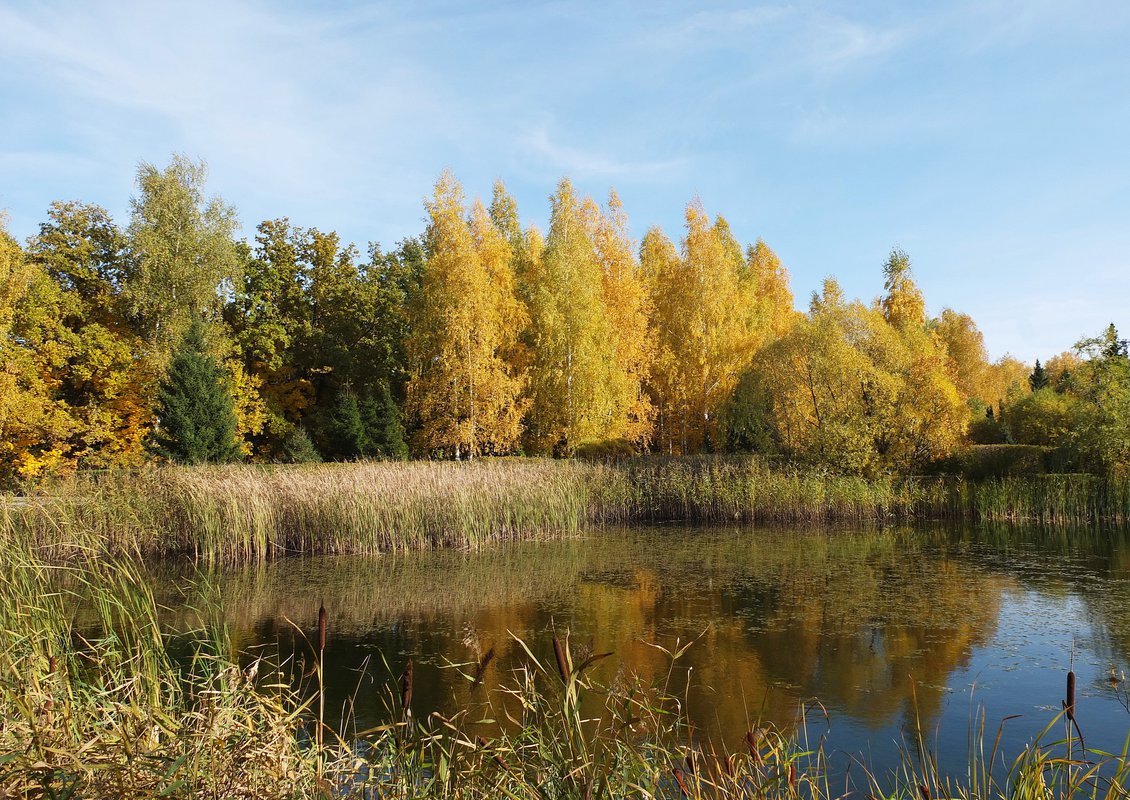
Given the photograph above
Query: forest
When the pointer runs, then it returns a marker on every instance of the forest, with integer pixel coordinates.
(172, 339)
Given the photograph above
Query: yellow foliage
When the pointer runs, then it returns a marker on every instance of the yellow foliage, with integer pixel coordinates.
(850, 391)
(463, 395)
(705, 334)
(576, 383)
(629, 309)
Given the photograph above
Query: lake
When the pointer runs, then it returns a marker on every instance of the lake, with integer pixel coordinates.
(877, 632)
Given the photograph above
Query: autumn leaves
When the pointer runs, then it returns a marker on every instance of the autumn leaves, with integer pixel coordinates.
(541, 345)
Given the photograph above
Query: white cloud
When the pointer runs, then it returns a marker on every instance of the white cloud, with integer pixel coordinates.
(579, 162)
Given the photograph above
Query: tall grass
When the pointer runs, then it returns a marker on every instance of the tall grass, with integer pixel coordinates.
(245, 513)
(99, 709)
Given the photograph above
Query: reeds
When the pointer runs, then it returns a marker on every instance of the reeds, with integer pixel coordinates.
(239, 514)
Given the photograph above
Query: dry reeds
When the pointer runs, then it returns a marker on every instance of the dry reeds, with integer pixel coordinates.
(237, 514)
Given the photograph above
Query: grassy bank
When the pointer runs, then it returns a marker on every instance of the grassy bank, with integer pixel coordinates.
(103, 709)
(243, 513)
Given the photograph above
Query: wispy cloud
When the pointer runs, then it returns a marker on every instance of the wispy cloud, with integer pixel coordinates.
(580, 162)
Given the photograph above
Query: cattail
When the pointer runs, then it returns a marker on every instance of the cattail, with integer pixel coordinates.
(481, 669)
(1069, 705)
(728, 766)
(792, 776)
(690, 766)
(321, 628)
(483, 743)
(51, 665)
(924, 790)
(562, 661)
(406, 688)
(751, 743)
(679, 780)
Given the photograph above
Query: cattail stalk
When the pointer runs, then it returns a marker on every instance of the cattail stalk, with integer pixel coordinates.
(323, 623)
(1069, 703)
(682, 784)
(481, 669)
(406, 690)
(562, 659)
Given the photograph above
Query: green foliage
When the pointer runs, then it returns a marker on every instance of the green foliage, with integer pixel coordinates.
(195, 413)
(1039, 377)
(341, 431)
(747, 417)
(298, 449)
(1100, 435)
(383, 432)
(997, 460)
(1043, 417)
(984, 427)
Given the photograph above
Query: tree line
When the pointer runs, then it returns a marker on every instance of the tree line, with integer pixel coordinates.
(170, 338)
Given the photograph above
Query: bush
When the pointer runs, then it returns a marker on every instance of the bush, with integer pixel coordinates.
(981, 461)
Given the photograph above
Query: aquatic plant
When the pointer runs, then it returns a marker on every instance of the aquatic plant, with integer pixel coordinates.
(236, 514)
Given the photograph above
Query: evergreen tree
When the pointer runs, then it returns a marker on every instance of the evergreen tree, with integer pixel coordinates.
(298, 449)
(195, 412)
(1039, 377)
(342, 430)
(380, 418)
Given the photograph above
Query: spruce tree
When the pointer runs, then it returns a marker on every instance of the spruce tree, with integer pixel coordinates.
(1039, 377)
(195, 412)
(342, 430)
(298, 449)
(384, 435)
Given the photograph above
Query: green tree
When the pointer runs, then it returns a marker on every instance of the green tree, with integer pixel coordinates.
(380, 417)
(297, 447)
(341, 429)
(183, 251)
(196, 420)
(1039, 377)
(1100, 434)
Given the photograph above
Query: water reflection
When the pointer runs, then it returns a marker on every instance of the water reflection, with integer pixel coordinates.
(881, 626)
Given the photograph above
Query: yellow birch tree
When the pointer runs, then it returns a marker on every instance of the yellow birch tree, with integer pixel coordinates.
(629, 309)
(703, 330)
(462, 395)
(572, 360)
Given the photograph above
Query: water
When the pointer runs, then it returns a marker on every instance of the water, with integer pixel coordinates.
(878, 633)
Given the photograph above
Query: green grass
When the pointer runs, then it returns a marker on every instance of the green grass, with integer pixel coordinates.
(246, 513)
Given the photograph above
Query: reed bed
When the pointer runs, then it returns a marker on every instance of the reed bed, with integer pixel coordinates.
(237, 514)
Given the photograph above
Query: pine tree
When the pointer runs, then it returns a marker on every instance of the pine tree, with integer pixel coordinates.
(1039, 377)
(195, 413)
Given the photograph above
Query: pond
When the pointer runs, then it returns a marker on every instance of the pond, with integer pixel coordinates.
(876, 632)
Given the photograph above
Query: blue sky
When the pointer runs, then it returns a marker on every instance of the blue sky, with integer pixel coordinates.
(990, 140)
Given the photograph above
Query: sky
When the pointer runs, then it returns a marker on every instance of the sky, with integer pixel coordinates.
(990, 140)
